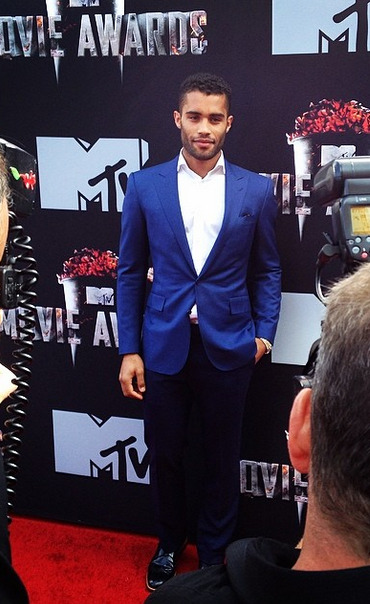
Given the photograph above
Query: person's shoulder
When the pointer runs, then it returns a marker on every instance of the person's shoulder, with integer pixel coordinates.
(12, 590)
(149, 171)
(207, 586)
(240, 172)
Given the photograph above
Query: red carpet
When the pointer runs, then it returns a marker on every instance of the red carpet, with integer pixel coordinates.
(61, 563)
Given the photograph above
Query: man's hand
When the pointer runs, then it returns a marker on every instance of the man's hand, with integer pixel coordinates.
(131, 376)
(261, 350)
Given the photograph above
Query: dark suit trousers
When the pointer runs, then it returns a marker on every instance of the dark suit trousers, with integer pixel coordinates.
(220, 397)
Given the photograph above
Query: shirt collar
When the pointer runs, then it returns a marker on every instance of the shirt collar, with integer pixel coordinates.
(219, 167)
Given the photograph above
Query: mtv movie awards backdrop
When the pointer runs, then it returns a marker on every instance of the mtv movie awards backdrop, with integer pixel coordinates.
(89, 87)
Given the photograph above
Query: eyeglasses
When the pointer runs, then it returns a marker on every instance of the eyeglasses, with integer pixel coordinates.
(300, 382)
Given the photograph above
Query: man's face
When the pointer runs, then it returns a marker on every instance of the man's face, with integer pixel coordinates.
(204, 122)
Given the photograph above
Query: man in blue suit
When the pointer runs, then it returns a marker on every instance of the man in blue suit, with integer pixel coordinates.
(208, 227)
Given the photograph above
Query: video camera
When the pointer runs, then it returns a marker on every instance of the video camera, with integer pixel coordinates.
(21, 167)
(18, 275)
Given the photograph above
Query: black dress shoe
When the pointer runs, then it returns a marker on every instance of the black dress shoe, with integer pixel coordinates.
(162, 567)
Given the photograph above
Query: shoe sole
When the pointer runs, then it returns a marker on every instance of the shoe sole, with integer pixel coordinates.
(155, 588)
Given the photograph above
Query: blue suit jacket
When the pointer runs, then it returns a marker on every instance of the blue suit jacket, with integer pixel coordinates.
(237, 292)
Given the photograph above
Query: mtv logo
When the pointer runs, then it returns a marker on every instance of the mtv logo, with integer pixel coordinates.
(74, 174)
(118, 6)
(78, 3)
(315, 27)
(330, 152)
(84, 445)
(100, 295)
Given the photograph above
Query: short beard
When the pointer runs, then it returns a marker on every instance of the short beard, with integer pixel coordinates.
(207, 155)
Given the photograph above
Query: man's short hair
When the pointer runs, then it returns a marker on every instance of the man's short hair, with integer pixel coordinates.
(206, 83)
(340, 423)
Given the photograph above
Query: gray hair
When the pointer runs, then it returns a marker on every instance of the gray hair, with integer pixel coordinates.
(340, 464)
(4, 180)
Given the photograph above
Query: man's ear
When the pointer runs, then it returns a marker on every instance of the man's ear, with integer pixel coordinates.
(177, 118)
(299, 443)
(230, 120)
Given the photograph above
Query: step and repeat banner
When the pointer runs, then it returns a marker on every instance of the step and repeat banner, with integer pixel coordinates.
(89, 88)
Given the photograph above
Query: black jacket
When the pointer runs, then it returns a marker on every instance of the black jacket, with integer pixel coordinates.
(258, 571)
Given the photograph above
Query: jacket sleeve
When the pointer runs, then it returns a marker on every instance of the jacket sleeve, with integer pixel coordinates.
(264, 274)
(132, 270)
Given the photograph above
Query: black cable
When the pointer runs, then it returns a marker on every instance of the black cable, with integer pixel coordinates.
(326, 254)
(21, 257)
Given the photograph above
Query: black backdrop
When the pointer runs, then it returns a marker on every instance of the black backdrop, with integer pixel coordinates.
(270, 54)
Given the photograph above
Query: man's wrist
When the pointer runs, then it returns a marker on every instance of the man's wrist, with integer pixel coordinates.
(266, 343)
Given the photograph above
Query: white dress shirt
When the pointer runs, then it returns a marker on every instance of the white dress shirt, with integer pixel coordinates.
(202, 203)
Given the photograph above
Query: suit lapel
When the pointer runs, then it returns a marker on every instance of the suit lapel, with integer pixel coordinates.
(166, 186)
(234, 196)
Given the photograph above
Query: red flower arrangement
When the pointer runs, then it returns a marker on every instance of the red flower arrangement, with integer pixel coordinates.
(332, 116)
(90, 263)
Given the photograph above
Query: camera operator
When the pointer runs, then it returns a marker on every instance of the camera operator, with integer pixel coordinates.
(12, 590)
(329, 436)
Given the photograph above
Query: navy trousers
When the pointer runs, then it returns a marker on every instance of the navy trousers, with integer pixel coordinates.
(220, 397)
